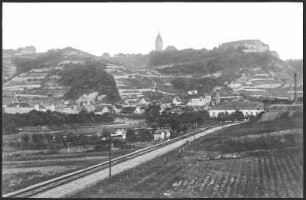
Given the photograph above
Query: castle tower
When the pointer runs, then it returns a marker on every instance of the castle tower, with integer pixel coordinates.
(158, 43)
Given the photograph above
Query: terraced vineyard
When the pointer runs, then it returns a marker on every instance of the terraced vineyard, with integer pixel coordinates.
(188, 173)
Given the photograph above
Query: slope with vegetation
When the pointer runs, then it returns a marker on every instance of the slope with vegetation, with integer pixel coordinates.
(222, 64)
(68, 72)
(87, 79)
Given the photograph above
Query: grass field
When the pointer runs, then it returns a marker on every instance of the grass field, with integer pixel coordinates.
(194, 170)
(21, 172)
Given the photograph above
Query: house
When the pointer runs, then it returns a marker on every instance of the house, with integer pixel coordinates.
(207, 98)
(139, 110)
(51, 108)
(101, 110)
(247, 108)
(119, 134)
(104, 108)
(18, 108)
(117, 109)
(165, 106)
(143, 102)
(192, 92)
(40, 108)
(199, 101)
(67, 110)
(88, 108)
(161, 134)
(177, 101)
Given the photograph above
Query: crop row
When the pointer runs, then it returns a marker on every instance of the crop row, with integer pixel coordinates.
(265, 176)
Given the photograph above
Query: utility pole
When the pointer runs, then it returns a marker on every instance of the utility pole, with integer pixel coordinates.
(110, 156)
(222, 118)
(68, 149)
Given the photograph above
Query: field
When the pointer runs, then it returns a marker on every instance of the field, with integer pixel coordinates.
(202, 169)
(185, 175)
(137, 82)
(21, 172)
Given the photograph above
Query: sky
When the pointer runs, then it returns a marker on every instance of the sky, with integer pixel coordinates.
(132, 27)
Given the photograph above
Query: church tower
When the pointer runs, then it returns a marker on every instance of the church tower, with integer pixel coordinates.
(158, 43)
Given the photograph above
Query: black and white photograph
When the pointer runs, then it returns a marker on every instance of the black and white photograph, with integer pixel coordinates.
(152, 100)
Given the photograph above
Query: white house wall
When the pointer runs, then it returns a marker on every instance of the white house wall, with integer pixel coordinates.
(214, 113)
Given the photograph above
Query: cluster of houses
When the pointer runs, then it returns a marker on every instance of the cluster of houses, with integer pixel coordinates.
(192, 102)
(20, 104)
(158, 135)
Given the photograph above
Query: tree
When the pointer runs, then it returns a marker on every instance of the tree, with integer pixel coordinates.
(25, 139)
(105, 55)
(130, 135)
(152, 114)
(237, 115)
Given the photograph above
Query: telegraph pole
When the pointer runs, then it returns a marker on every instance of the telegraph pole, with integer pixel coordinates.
(68, 149)
(295, 88)
(110, 156)
(222, 119)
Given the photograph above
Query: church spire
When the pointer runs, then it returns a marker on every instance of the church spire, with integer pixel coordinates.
(158, 43)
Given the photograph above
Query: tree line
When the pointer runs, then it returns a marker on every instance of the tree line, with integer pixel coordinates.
(181, 122)
(11, 122)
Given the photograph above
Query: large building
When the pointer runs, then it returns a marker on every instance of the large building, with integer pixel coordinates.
(248, 46)
(247, 108)
(158, 43)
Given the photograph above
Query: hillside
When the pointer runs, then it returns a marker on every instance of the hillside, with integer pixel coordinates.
(89, 78)
(246, 66)
(63, 73)
(9, 67)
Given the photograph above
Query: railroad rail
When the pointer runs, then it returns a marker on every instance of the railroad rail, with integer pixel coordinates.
(52, 183)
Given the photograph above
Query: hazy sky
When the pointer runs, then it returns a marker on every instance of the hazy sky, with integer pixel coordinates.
(132, 27)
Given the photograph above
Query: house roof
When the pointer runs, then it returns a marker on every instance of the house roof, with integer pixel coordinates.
(99, 109)
(42, 107)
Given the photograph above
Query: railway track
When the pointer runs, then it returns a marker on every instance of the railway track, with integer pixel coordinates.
(47, 185)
